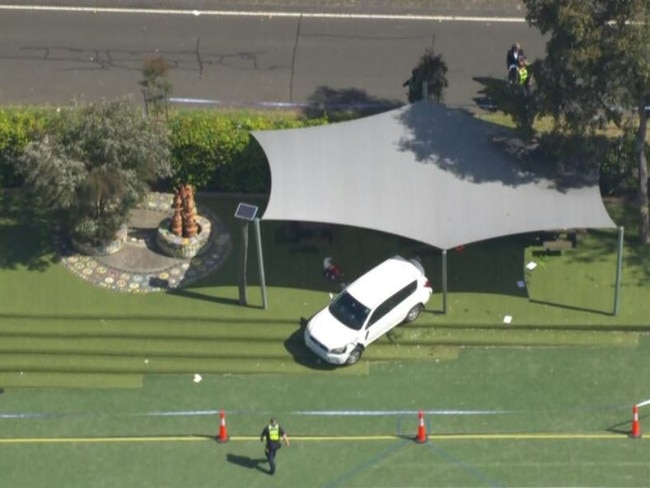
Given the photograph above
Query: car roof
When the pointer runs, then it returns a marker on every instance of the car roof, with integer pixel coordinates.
(383, 280)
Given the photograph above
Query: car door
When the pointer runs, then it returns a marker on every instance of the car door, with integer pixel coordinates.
(389, 314)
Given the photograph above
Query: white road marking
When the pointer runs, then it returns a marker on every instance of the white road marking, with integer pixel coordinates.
(268, 14)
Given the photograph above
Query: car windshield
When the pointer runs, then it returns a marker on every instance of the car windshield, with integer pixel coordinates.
(349, 311)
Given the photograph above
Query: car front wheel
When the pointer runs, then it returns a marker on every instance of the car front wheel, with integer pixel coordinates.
(414, 313)
(354, 356)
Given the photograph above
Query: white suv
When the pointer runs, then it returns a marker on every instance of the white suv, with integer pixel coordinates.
(393, 292)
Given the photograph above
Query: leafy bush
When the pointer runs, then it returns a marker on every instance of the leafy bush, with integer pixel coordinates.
(214, 150)
(17, 128)
(156, 85)
(432, 70)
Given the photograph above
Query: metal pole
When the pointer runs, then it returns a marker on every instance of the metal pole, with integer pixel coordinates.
(619, 268)
(425, 90)
(243, 263)
(444, 281)
(260, 260)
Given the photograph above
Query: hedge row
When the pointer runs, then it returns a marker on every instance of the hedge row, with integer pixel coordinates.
(212, 150)
(17, 128)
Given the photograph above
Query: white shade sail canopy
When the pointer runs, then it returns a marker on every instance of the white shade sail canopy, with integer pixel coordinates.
(424, 172)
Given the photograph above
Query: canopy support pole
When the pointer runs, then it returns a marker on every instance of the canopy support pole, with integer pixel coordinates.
(619, 268)
(444, 281)
(260, 261)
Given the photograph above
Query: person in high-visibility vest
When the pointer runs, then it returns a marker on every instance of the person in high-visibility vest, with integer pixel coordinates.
(274, 435)
(524, 75)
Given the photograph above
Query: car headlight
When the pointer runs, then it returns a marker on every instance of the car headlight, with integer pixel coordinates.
(340, 350)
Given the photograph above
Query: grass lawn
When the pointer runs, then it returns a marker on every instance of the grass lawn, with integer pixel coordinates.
(574, 288)
(98, 390)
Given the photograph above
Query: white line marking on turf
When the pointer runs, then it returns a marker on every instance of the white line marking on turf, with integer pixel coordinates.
(243, 13)
(324, 413)
(182, 413)
(193, 413)
(367, 413)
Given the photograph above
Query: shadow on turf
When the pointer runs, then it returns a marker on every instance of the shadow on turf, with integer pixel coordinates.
(187, 293)
(295, 345)
(615, 429)
(624, 428)
(26, 233)
(571, 307)
(246, 462)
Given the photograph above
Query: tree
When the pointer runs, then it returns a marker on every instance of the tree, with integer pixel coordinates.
(432, 70)
(95, 164)
(156, 87)
(597, 72)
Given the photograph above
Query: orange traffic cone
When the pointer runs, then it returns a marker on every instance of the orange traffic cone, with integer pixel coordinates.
(635, 433)
(422, 431)
(223, 432)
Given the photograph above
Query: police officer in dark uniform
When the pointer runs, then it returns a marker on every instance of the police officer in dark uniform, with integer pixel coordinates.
(512, 56)
(273, 434)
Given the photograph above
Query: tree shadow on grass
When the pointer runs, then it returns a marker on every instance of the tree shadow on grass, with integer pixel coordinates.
(494, 266)
(636, 255)
(246, 462)
(494, 95)
(27, 234)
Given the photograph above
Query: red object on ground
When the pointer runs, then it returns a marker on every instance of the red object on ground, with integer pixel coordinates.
(422, 431)
(635, 433)
(223, 432)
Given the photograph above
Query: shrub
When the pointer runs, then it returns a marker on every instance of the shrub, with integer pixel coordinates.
(18, 126)
(214, 151)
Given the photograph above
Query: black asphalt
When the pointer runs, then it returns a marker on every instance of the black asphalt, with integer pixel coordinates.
(49, 57)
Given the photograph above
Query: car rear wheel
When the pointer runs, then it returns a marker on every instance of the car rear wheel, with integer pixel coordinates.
(414, 313)
(355, 355)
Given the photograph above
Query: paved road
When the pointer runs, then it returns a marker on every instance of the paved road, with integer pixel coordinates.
(56, 56)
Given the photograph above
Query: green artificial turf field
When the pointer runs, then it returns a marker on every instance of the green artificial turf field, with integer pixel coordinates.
(494, 417)
(98, 386)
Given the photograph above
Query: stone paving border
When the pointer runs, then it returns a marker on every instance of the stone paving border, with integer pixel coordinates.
(149, 276)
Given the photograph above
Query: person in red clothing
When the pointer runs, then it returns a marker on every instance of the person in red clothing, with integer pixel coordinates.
(331, 271)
